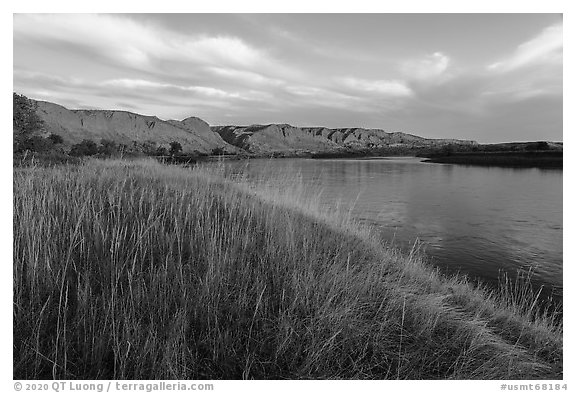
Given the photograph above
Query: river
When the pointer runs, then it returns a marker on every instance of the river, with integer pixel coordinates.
(480, 221)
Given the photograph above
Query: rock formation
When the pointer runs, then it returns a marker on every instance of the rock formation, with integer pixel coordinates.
(196, 136)
(286, 138)
(125, 127)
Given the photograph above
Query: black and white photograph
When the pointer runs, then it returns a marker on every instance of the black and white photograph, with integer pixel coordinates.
(287, 196)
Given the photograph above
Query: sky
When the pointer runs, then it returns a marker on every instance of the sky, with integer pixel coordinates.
(485, 77)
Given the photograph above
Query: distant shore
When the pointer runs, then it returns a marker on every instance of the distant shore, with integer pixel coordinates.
(536, 159)
(541, 159)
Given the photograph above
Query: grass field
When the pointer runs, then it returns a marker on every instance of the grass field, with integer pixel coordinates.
(137, 270)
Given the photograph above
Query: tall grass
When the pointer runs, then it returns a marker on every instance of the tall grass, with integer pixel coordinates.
(142, 271)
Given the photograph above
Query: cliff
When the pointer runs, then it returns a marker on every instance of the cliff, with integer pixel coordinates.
(73, 126)
(196, 136)
(286, 138)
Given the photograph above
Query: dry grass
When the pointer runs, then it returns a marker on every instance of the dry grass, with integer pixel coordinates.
(142, 271)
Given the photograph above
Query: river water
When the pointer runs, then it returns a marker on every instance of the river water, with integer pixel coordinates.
(480, 221)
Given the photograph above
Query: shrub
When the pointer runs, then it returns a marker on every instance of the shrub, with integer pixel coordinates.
(107, 148)
(537, 146)
(35, 143)
(56, 139)
(447, 150)
(218, 151)
(161, 151)
(175, 148)
(84, 148)
(149, 148)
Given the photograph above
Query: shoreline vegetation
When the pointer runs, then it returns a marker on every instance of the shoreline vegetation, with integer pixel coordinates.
(545, 159)
(526, 159)
(138, 270)
(521, 155)
(518, 155)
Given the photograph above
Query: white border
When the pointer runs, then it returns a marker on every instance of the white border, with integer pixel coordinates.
(231, 6)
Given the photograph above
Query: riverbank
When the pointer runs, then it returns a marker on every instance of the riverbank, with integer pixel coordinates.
(544, 159)
(136, 270)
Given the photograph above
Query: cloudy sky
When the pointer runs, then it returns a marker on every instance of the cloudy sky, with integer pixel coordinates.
(487, 77)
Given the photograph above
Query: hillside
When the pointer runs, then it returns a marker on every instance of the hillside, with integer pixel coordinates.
(286, 138)
(73, 126)
(196, 136)
(274, 138)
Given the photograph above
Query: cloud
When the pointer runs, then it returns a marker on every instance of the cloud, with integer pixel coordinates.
(391, 88)
(521, 87)
(428, 68)
(247, 77)
(145, 84)
(317, 96)
(41, 79)
(544, 49)
(135, 44)
(532, 72)
(123, 62)
(534, 69)
(118, 39)
(164, 64)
